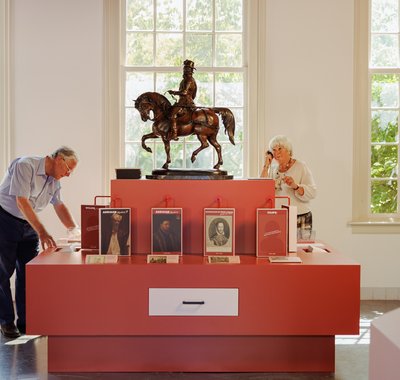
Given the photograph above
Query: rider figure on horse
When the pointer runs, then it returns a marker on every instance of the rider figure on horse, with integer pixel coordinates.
(187, 93)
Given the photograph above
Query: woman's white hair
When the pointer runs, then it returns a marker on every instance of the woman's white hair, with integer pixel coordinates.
(282, 141)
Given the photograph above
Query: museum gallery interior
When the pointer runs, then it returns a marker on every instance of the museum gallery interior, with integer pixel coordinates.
(240, 292)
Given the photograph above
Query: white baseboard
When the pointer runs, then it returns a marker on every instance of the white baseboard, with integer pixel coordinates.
(380, 294)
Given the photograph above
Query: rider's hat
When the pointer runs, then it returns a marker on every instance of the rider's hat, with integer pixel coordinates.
(189, 63)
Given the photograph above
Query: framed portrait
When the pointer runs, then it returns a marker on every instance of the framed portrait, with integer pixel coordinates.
(272, 232)
(219, 231)
(166, 231)
(115, 231)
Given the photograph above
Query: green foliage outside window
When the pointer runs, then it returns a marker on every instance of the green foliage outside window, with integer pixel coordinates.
(384, 142)
(384, 197)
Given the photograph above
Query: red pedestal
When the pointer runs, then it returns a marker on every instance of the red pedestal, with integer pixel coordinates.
(97, 316)
(287, 317)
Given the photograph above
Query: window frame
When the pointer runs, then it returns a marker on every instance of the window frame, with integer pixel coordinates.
(363, 221)
(187, 144)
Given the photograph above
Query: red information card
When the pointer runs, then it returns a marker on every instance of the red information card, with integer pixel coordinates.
(272, 232)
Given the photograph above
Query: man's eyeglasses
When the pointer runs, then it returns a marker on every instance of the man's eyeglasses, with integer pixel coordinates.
(69, 170)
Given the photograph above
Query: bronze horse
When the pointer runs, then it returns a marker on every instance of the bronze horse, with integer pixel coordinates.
(202, 122)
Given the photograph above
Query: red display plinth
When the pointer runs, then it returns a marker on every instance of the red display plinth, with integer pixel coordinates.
(284, 310)
(131, 316)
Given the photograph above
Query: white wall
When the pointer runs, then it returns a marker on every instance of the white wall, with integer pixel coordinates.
(57, 92)
(310, 98)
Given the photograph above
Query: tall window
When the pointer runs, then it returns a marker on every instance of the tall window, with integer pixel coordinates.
(159, 36)
(384, 79)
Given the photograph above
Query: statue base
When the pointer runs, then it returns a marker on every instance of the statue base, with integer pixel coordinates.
(177, 174)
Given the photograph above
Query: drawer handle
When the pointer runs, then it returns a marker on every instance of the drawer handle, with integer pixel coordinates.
(193, 302)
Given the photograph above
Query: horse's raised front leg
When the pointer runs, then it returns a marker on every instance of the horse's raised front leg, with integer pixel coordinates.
(204, 145)
(167, 152)
(145, 137)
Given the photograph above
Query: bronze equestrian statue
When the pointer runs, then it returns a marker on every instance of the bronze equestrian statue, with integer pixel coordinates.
(184, 118)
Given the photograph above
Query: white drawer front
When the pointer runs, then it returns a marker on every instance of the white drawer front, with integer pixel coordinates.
(193, 302)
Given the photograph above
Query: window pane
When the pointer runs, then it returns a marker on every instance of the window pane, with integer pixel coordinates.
(229, 90)
(384, 161)
(233, 159)
(139, 15)
(384, 197)
(204, 159)
(385, 90)
(176, 154)
(167, 81)
(384, 50)
(384, 16)
(135, 128)
(199, 48)
(228, 15)
(228, 50)
(139, 49)
(136, 157)
(169, 15)
(384, 126)
(199, 15)
(136, 84)
(205, 90)
(169, 49)
(238, 124)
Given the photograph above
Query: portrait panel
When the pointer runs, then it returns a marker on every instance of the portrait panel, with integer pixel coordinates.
(166, 230)
(219, 231)
(115, 231)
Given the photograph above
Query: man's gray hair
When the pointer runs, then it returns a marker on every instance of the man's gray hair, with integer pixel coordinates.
(282, 141)
(66, 153)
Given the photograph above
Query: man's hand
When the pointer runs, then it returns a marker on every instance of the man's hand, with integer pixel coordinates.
(47, 240)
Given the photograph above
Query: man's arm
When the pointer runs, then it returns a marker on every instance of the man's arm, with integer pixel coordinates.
(64, 215)
(25, 207)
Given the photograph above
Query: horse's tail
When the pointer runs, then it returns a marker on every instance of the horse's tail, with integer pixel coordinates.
(229, 122)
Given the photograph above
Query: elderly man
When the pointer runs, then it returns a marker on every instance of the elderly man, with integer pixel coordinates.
(29, 185)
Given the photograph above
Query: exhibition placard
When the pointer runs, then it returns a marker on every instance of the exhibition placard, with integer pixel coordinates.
(166, 230)
(90, 226)
(272, 232)
(115, 231)
(219, 231)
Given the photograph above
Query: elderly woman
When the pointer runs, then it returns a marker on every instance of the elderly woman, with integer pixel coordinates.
(292, 178)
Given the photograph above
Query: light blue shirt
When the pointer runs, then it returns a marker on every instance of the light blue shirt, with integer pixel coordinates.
(26, 177)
